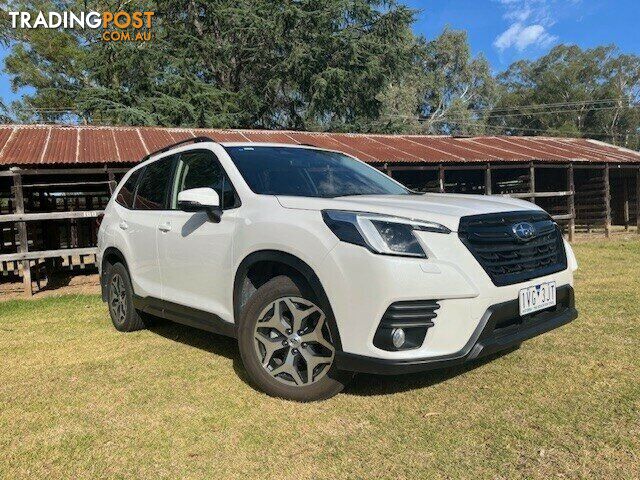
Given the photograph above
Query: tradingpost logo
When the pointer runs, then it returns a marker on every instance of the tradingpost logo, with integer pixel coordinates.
(116, 26)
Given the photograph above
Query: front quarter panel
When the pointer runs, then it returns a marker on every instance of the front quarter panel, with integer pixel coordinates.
(572, 262)
(268, 226)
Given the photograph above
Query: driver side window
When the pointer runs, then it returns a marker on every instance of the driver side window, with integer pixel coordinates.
(201, 168)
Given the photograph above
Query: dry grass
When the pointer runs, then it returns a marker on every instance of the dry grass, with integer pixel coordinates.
(80, 400)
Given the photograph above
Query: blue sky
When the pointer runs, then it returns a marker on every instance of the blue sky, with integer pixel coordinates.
(509, 30)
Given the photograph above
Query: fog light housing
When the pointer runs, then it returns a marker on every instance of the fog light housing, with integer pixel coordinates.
(397, 337)
(404, 325)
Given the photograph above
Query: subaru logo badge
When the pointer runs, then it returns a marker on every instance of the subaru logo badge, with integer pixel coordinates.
(524, 231)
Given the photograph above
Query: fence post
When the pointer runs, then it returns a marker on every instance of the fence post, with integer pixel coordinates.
(23, 244)
(572, 203)
(532, 181)
(487, 180)
(607, 202)
(112, 182)
(625, 205)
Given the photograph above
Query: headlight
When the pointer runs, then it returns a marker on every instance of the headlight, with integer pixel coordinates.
(380, 233)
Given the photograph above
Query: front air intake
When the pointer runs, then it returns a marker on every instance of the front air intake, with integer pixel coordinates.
(410, 318)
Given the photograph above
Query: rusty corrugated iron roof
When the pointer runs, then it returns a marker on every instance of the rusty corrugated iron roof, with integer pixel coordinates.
(55, 144)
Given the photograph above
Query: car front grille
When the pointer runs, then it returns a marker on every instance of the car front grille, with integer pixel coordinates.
(505, 257)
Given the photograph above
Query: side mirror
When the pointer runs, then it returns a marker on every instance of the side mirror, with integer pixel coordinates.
(201, 199)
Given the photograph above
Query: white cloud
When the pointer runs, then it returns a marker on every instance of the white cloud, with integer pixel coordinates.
(529, 23)
(519, 15)
(522, 36)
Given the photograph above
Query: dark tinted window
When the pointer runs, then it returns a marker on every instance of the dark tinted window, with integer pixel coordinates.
(307, 172)
(153, 186)
(125, 194)
(201, 169)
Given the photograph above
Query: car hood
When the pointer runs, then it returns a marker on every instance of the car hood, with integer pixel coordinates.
(443, 208)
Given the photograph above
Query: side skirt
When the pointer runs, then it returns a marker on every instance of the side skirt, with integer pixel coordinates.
(191, 317)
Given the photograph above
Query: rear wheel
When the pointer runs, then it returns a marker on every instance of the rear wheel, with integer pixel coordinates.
(120, 299)
(286, 345)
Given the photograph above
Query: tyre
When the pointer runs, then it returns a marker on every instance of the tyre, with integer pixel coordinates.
(285, 343)
(120, 300)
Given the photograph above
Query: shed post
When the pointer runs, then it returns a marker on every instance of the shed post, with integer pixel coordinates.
(441, 178)
(532, 182)
(607, 202)
(487, 180)
(571, 203)
(23, 244)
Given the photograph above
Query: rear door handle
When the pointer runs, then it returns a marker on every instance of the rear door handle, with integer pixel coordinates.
(123, 225)
(165, 227)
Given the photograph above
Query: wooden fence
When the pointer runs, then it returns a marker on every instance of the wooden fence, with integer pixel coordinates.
(47, 215)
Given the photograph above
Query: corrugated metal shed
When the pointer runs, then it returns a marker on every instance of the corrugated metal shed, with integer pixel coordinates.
(54, 144)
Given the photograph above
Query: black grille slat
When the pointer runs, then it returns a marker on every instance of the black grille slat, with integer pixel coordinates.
(508, 237)
(523, 260)
(402, 306)
(417, 316)
(540, 241)
(411, 313)
(506, 259)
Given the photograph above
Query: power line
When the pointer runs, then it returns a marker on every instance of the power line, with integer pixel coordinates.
(527, 114)
(558, 104)
(522, 114)
(539, 130)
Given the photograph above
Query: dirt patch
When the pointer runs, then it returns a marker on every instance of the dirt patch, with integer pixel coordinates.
(84, 284)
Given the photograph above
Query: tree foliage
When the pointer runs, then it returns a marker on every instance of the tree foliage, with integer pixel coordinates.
(340, 65)
(458, 87)
(444, 91)
(226, 63)
(586, 93)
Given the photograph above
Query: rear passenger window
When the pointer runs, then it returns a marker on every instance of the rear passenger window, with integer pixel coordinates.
(125, 194)
(154, 184)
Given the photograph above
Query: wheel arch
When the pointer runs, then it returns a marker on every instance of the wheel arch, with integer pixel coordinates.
(267, 264)
(110, 256)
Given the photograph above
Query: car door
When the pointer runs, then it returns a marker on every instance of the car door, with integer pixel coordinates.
(140, 225)
(195, 252)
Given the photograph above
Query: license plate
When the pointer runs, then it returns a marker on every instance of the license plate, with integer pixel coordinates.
(537, 297)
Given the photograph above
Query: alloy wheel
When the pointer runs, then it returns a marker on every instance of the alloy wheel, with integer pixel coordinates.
(293, 342)
(117, 298)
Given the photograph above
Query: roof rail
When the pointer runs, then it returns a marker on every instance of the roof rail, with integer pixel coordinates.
(174, 145)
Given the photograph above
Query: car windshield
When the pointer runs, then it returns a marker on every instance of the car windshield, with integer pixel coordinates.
(305, 172)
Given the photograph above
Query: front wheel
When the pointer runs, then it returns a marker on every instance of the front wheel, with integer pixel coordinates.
(286, 345)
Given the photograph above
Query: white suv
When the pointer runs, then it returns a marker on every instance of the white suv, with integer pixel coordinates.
(321, 266)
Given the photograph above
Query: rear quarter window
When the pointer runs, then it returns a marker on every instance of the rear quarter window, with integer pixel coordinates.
(153, 187)
(126, 193)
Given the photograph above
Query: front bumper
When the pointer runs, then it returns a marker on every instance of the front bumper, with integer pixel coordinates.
(362, 285)
(500, 328)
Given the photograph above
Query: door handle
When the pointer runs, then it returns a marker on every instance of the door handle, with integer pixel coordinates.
(165, 227)
(123, 225)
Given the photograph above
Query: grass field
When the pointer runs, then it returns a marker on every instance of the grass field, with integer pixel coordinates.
(80, 400)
